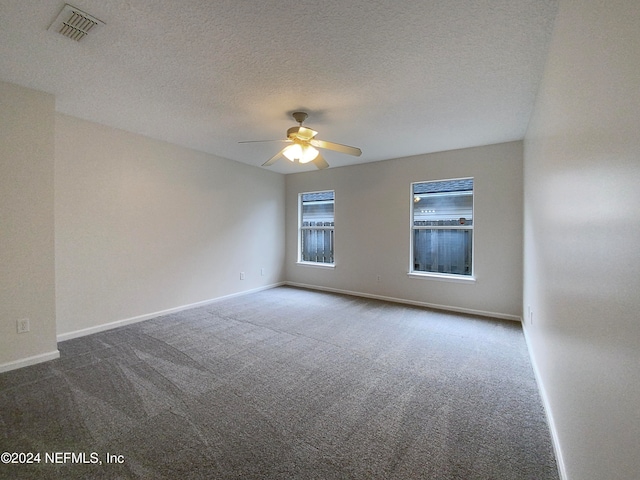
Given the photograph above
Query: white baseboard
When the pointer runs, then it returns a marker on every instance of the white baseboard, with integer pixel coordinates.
(562, 472)
(26, 362)
(435, 306)
(140, 318)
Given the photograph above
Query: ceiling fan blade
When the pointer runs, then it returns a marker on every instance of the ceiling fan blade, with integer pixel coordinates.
(273, 159)
(338, 147)
(305, 133)
(320, 162)
(264, 141)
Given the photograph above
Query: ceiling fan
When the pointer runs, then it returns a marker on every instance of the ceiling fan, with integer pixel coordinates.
(303, 145)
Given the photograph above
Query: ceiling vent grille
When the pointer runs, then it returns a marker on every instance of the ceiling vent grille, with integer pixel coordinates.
(74, 23)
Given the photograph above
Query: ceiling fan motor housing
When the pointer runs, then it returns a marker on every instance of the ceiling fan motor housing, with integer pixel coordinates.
(301, 133)
(292, 132)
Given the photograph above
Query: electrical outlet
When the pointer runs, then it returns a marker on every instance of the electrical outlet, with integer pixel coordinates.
(22, 325)
(241, 275)
(378, 278)
(262, 272)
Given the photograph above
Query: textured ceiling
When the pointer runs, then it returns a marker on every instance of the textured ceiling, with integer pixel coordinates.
(393, 77)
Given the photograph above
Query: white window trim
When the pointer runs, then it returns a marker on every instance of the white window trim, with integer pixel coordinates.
(448, 277)
(316, 264)
(299, 260)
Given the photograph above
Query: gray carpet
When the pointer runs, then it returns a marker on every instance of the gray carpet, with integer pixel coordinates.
(284, 383)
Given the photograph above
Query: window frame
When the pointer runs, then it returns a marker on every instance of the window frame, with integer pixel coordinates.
(452, 277)
(301, 228)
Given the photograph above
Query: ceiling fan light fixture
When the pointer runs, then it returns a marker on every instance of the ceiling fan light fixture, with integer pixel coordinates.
(302, 142)
(300, 153)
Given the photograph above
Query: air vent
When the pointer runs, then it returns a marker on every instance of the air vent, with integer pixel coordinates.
(74, 23)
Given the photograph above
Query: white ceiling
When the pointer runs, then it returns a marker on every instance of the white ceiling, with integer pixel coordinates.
(393, 77)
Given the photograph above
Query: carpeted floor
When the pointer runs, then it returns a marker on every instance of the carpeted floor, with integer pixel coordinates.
(284, 383)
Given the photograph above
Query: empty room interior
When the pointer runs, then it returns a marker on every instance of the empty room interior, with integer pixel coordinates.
(458, 253)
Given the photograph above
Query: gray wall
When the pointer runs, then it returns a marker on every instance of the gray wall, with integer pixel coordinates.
(582, 238)
(144, 226)
(102, 227)
(373, 228)
(27, 277)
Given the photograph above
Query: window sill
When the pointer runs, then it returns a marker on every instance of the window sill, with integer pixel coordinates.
(317, 264)
(443, 276)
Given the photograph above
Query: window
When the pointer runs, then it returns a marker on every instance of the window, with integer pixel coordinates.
(442, 227)
(316, 227)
